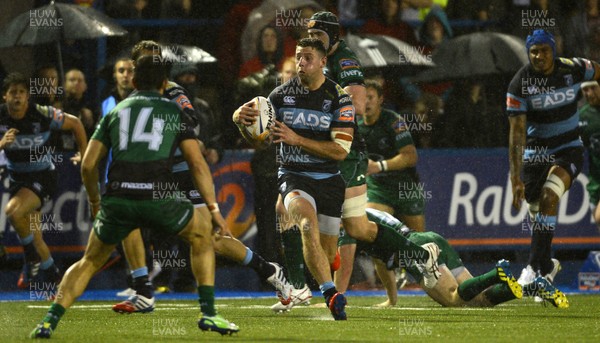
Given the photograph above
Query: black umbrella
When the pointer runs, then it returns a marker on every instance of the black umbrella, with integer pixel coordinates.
(380, 52)
(54, 23)
(186, 54)
(476, 55)
(171, 53)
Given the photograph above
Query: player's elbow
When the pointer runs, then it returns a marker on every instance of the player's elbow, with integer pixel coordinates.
(340, 154)
(88, 167)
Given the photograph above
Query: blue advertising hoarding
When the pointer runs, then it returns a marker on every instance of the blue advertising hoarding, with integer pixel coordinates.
(468, 200)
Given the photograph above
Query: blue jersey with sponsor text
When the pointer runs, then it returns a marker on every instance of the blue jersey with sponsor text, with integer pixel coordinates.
(311, 114)
(31, 151)
(550, 104)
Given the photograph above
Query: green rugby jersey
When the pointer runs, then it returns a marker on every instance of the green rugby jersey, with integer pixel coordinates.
(344, 67)
(384, 139)
(143, 132)
(589, 122)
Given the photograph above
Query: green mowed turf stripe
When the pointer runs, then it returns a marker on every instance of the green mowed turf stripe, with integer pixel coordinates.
(164, 307)
(415, 319)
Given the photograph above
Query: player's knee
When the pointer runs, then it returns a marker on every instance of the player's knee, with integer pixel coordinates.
(13, 210)
(553, 188)
(548, 199)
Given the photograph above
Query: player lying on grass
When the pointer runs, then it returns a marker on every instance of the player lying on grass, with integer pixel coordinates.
(456, 286)
(143, 144)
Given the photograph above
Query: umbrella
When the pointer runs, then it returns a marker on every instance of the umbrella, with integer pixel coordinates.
(383, 52)
(278, 12)
(186, 54)
(54, 23)
(172, 53)
(476, 55)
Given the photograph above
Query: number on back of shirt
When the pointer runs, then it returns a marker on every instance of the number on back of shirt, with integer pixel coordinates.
(154, 138)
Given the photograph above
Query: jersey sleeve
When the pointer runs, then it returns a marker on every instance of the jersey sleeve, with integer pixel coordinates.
(102, 132)
(56, 116)
(343, 110)
(179, 96)
(349, 72)
(187, 127)
(516, 104)
(402, 137)
(584, 67)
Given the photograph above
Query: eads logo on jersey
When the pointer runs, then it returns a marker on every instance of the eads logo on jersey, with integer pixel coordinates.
(558, 98)
(299, 119)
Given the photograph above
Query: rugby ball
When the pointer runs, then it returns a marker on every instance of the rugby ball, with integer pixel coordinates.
(260, 129)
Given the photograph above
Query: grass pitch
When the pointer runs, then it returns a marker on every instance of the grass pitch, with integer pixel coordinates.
(415, 319)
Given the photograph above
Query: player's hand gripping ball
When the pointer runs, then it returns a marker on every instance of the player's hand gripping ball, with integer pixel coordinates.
(260, 129)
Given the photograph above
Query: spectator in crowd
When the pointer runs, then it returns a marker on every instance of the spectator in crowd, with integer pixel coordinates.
(574, 29)
(230, 55)
(269, 49)
(132, 9)
(46, 90)
(427, 112)
(469, 121)
(347, 10)
(123, 76)
(186, 75)
(74, 101)
(482, 11)
(435, 29)
(413, 10)
(593, 23)
(388, 22)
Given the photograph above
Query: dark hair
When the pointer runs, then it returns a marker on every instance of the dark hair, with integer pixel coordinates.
(375, 85)
(149, 74)
(13, 79)
(312, 43)
(278, 54)
(38, 72)
(151, 45)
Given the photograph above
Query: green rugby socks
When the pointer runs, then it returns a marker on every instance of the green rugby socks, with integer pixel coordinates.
(294, 258)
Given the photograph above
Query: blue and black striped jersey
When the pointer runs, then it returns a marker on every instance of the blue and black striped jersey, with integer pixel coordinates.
(550, 104)
(311, 114)
(31, 151)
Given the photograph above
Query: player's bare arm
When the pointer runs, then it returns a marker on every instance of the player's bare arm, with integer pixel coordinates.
(327, 149)
(516, 146)
(203, 181)
(406, 158)
(74, 125)
(94, 153)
